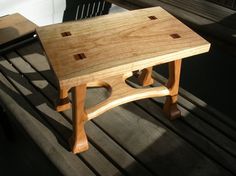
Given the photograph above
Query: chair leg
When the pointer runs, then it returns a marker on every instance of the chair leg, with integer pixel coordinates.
(170, 107)
(78, 141)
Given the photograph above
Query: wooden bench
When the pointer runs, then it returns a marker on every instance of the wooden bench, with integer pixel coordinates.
(13, 27)
(103, 52)
(132, 139)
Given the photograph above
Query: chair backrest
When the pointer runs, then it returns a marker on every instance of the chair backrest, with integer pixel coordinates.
(80, 9)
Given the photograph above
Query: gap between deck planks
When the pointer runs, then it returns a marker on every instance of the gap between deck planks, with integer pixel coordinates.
(133, 143)
(211, 116)
(196, 131)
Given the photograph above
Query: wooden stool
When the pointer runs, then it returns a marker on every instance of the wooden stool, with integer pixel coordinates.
(104, 51)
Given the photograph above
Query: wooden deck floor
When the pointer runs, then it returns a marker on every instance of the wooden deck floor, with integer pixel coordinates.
(132, 139)
(19, 155)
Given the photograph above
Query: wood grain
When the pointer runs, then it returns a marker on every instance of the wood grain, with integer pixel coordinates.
(78, 141)
(145, 78)
(116, 44)
(64, 102)
(122, 93)
(14, 26)
(170, 106)
(104, 51)
(200, 15)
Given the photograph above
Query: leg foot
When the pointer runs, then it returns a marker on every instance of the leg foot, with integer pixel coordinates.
(170, 108)
(63, 105)
(64, 102)
(79, 143)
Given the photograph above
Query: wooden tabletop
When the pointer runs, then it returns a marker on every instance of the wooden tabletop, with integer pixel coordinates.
(14, 26)
(88, 50)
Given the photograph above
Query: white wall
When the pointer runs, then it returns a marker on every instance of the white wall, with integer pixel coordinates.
(41, 12)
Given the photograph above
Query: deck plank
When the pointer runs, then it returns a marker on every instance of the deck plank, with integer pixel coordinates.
(209, 140)
(151, 142)
(211, 133)
(207, 124)
(210, 11)
(208, 118)
(194, 138)
(33, 53)
(210, 114)
(195, 132)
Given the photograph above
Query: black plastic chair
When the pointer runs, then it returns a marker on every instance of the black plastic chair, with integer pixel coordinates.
(80, 9)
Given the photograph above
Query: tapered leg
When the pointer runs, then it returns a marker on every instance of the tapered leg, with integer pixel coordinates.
(64, 102)
(170, 107)
(145, 79)
(78, 141)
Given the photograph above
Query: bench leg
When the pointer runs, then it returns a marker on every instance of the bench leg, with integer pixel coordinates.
(78, 141)
(145, 79)
(170, 107)
(64, 102)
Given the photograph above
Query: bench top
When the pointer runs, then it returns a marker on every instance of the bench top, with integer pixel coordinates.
(89, 50)
(14, 26)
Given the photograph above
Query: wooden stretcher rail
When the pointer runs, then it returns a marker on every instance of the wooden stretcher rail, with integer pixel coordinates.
(122, 93)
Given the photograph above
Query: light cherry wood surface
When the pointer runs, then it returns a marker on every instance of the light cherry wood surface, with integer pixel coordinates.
(104, 52)
(79, 140)
(170, 106)
(145, 78)
(117, 43)
(14, 26)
